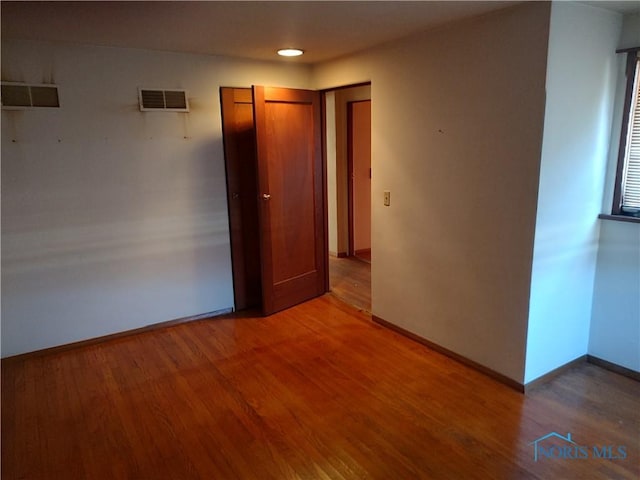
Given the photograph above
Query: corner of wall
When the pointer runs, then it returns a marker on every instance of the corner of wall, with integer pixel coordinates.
(577, 130)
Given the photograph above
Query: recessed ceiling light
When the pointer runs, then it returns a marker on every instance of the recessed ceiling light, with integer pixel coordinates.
(290, 52)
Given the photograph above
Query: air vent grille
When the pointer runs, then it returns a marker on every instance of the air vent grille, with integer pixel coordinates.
(21, 95)
(163, 100)
(175, 99)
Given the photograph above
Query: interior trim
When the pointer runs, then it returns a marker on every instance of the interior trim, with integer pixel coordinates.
(547, 377)
(619, 369)
(619, 218)
(627, 50)
(455, 356)
(114, 336)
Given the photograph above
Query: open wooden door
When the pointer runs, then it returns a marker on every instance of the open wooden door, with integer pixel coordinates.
(242, 192)
(291, 196)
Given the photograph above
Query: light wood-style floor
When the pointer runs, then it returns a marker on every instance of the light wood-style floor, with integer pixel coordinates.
(350, 280)
(314, 392)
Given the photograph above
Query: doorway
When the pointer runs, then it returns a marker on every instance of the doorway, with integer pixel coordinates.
(281, 251)
(275, 193)
(348, 160)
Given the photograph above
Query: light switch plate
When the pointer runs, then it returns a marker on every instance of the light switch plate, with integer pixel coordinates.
(387, 198)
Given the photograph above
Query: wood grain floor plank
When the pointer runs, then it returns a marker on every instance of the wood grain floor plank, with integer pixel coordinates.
(318, 391)
(350, 280)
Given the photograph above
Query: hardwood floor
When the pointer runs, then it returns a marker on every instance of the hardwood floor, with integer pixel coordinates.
(364, 255)
(350, 280)
(315, 392)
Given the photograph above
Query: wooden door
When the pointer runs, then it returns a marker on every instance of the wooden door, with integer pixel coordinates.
(242, 194)
(291, 192)
(359, 174)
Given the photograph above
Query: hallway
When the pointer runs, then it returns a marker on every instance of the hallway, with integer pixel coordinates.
(350, 280)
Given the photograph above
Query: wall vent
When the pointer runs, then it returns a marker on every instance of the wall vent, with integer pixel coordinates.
(163, 100)
(22, 95)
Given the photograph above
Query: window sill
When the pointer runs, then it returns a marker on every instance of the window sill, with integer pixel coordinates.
(619, 218)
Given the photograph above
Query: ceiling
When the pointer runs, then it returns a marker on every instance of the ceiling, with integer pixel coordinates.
(324, 29)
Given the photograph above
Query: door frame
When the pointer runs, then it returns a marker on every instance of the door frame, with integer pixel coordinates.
(323, 107)
(350, 178)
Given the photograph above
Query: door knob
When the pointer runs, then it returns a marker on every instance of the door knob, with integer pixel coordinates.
(266, 196)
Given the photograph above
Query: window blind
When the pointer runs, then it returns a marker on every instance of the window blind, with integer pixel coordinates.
(631, 172)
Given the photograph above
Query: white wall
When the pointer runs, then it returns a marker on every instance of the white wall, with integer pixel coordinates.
(114, 219)
(581, 78)
(630, 36)
(457, 116)
(615, 326)
(615, 320)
